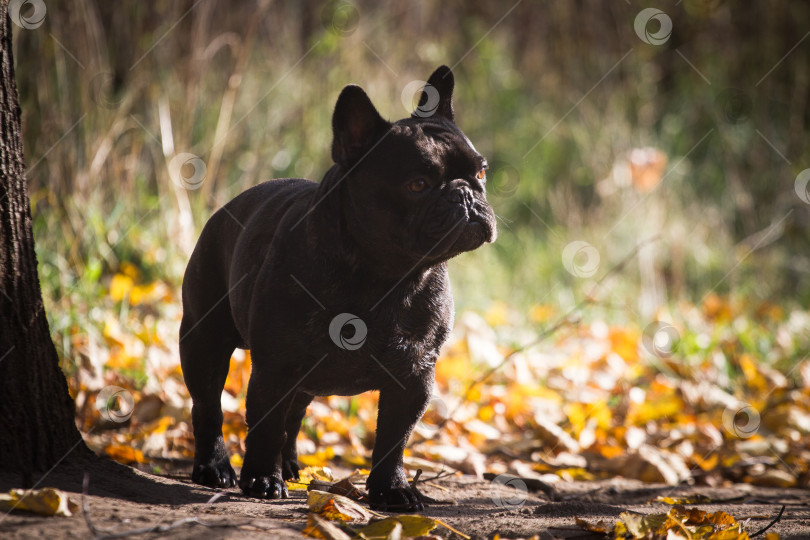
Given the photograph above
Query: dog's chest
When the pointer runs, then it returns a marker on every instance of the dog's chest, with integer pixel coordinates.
(359, 349)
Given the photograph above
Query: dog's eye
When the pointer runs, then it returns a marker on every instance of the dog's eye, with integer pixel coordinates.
(416, 186)
(482, 174)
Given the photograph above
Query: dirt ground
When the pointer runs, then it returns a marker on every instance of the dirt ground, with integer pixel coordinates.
(122, 499)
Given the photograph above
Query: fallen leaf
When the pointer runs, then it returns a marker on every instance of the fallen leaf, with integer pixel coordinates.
(598, 527)
(337, 507)
(318, 527)
(307, 475)
(46, 502)
(124, 454)
(411, 525)
(689, 499)
(637, 525)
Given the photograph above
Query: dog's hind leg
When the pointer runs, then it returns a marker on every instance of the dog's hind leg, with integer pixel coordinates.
(292, 424)
(207, 340)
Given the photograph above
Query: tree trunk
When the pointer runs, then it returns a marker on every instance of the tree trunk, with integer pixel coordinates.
(37, 427)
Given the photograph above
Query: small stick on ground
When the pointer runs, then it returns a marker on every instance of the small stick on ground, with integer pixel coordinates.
(771, 524)
(421, 496)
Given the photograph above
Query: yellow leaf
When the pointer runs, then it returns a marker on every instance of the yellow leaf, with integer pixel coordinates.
(722, 519)
(158, 426)
(46, 502)
(319, 458)
(717, 308)
(639, 526)
(753, 377)
(130, 270)
(149, 294)
(307, 475)
(120, 286)
(336, 507)
(574, 473)
(412, 525)
(708, 463)
(124, 454)
(497, 314)
(317, 527)
(454, 364)
(541, 313)
(690, 499)
(655, 408)
(238, 375)
(624, 343)
(599, 527)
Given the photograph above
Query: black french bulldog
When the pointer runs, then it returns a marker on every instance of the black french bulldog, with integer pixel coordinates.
(336, 288)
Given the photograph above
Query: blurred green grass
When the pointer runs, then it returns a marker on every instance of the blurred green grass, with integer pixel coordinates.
(556, 95)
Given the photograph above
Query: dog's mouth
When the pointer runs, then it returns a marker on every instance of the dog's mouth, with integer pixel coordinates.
(462, 225)
(479, 229)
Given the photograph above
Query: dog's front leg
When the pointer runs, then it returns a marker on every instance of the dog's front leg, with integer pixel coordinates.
(401, 405)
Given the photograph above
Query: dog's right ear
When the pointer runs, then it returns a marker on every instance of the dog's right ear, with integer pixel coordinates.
(356, 125)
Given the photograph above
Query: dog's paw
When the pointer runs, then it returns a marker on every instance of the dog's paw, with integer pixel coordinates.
(399, 499)
(217, 475)
(263, 486)
(289, 469)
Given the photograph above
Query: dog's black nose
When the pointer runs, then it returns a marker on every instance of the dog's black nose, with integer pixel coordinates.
(461, 195)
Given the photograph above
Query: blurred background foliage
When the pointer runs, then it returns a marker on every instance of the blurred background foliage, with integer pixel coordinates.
(592, 135)
(557, 95)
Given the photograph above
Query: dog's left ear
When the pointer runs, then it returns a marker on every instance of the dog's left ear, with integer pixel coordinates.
(437, 96)
(356, 125)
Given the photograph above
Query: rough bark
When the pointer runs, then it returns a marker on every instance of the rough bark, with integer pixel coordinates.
(37, 427)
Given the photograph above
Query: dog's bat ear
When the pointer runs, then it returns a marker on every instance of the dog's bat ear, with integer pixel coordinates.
(356, 125)
(437, 96)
